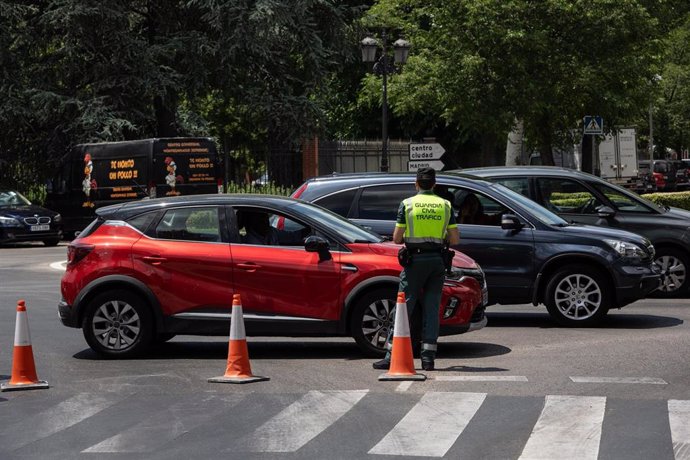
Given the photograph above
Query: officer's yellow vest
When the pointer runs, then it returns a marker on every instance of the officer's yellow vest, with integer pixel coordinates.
(427, 218)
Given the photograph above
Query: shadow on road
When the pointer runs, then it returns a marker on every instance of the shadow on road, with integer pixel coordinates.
(612, 321)
(293, 350)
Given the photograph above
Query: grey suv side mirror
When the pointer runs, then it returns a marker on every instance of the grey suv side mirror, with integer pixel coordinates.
(318, 244)
(605, 211)
(510, 222)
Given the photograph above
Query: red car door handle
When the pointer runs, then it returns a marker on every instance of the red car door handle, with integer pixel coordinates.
(248, 266)
(154, 260)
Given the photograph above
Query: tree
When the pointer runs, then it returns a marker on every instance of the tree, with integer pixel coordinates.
(547, 63)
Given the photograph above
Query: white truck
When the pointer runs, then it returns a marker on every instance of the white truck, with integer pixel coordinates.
(618, 159)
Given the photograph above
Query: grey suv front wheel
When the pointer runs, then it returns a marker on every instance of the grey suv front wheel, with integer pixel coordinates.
(577, 295)
(674, 272)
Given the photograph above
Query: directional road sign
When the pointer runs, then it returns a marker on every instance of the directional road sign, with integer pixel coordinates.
(594, 125)
(426, 151)
(415, 165)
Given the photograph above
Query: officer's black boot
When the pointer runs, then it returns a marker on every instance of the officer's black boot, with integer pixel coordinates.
(428, 364)
(384, 364)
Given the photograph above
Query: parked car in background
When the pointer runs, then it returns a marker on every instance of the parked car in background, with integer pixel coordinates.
(146, 271)
(22, 221)
(586, 199)
(529, 254)
(663, 172)
(682, 174)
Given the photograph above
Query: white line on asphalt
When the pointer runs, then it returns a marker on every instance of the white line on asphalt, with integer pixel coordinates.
(645, 380)
(404, 386)
(679, 420)
(62, 416)
(303, 420)
(569, 427)
(165, 426)
(62, 266)
(481, 378)
(432, 426)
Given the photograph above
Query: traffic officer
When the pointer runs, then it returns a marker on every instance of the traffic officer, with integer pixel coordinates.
(424, 223)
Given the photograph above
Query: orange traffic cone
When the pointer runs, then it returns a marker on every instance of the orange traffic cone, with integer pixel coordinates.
(238, 370)
(402, 361)
(23, 367)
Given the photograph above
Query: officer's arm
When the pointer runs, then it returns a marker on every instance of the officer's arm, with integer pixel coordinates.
(453, 236)
(398, 235)
(400, 225)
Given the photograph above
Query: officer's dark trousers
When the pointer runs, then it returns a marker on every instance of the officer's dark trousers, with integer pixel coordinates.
(422, 280)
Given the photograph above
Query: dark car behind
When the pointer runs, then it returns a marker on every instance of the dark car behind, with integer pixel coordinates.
(22, 221)
(527, 253)
(586, 199)
(682, 174)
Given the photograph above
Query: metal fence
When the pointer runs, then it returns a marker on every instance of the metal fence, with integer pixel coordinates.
(361, 156)
(261, 168)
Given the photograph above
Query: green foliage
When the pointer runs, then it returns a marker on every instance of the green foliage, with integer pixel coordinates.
(269, 189)
(482, 64)
(673, 199)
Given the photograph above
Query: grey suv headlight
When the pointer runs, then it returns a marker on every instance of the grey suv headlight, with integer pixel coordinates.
(57, 218)
(9, 222)
(626, 249)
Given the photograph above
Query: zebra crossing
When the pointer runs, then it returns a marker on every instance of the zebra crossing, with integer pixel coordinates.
(313, 424)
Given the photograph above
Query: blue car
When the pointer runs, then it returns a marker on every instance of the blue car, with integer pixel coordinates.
(22, 221)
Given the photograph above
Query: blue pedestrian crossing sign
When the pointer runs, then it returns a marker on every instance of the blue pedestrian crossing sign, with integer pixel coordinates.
(594, 125)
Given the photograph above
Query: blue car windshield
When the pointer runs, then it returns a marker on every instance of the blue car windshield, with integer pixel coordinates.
(12, 198)
(352, 232)
(541, 213)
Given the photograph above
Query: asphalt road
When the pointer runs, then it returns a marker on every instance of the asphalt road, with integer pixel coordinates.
(520, 388)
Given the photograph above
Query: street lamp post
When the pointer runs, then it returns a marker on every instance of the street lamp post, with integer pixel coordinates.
(384, 67)
(655, 79)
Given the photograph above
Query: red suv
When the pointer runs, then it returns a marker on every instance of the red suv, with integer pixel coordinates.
(148, 270)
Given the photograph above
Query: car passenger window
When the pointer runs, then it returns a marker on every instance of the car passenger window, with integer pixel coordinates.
(382, 202)
(622, 202)
(142, 221)
(263, 227)
(565, 196)
(339, 203)
(190, 224)
(519, 184)
(476, 209)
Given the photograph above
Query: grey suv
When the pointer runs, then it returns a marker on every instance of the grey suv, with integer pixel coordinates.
(528, 254)
(586, 199)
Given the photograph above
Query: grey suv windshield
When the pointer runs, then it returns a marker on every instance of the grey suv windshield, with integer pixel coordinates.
(542, 214)
(343, 227)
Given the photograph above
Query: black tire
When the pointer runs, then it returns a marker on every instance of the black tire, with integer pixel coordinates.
(674, 265)
(578, 296)
(118, 324)
(51, 242)
(373, 312)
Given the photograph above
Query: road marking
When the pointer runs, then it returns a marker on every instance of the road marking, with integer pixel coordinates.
(165, 426)
(481, 378)
(62, 266)
(679, 420)
(404, 386)
(64, 415)
(432, 426)
(645, 380)
(303, 420)
(569, 427)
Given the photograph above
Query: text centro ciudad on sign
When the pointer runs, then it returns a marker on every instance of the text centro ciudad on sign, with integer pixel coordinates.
(425, 156)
